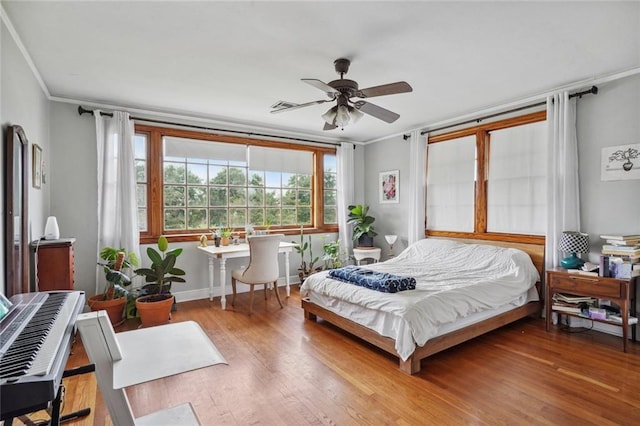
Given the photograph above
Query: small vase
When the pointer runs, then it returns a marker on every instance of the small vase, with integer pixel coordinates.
(216, 241)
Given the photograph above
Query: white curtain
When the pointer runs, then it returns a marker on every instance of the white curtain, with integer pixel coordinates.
(117, 209)
(345, 181)
(563, 192)
(417, 184)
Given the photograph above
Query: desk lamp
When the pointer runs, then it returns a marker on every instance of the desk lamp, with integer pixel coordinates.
(391, 239)
(573, 242)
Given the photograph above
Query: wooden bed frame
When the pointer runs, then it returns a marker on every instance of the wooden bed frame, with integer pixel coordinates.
(445, 341)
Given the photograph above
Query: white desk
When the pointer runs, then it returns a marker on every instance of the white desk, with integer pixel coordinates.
(223, 253)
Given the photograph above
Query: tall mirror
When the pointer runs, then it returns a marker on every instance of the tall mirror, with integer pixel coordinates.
(16, 178)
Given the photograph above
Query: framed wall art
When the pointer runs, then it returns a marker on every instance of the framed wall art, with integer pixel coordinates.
(389, 186)
(620, 162)
(36, 166)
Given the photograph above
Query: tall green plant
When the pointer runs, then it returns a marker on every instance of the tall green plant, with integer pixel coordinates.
(162, 271)
(114, 261)
(362, 222)
(306, 268)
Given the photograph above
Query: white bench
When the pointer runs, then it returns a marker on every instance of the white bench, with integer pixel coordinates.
(122, 360)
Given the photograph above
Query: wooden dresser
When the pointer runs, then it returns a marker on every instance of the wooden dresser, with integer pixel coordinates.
(54, 264)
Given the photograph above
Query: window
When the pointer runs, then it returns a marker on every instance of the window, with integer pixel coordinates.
(489, 180)
(189, 183)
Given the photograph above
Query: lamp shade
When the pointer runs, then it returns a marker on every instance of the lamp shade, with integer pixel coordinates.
(391, 239)
(51, 230)
(574, 242)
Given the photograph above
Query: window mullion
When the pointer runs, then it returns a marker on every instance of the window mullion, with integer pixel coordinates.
(156, 183)
(317, 194)
(482, 167)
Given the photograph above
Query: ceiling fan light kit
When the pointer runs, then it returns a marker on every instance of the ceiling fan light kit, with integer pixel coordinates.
(342, 90)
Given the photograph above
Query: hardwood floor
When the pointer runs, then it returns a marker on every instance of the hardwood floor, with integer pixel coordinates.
(283, 370)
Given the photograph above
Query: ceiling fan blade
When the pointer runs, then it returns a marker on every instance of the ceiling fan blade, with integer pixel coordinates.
(330, 91)
(328, 126)
(290, 106)
(376, 111)
(385, 89)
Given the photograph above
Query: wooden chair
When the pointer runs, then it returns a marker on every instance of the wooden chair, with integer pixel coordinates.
(263, 267)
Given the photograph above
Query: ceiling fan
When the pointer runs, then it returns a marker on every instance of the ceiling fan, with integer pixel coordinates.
(342, 91)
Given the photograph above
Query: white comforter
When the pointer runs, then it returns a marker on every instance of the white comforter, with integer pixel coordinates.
(453, 281)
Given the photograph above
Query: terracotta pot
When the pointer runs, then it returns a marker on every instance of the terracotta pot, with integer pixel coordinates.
(154, 309)
(114, 307)
(225, 241)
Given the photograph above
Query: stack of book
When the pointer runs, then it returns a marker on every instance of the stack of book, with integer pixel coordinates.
(620, 256)
(578, 305)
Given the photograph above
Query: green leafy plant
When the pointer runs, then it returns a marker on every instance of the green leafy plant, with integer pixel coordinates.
(362, 222)
(162, 271)
(331, 256)
(226, 232)
(306, 268)
(113, 262)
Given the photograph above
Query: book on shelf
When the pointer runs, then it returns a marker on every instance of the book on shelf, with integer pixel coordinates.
(581, 272)
(570, 298)
(624, 243)
(622, 249)
(617, 318)
(620, 237)
(632, 255)
(574, 309)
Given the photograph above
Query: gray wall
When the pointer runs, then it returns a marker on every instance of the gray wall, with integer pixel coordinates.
(74, 202)
(23, 102)
(389, 154)
(610, 118)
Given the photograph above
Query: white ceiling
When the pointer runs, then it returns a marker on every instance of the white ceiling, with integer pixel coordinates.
(231, 61)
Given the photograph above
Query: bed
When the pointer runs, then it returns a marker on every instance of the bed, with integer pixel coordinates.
(454, 299)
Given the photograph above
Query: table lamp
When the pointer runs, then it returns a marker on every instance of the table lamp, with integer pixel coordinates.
(391, 239)
(573, 242)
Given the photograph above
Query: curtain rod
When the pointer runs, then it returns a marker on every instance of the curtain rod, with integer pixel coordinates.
(82, 110)
(592, 91)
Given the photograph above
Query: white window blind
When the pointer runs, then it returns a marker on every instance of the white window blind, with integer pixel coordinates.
(516, 186)
(451, 184)
(280, 160)
(202, 149)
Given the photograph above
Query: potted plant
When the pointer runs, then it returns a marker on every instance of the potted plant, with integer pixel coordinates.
(114, 296)
(306, 268)
(331, 255)
(363, 231)
(225, 236)
(154, 305)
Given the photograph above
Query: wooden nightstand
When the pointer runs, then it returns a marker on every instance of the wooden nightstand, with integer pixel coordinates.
(622, 292)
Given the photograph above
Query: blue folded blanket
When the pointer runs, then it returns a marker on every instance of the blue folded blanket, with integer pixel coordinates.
(379, 281)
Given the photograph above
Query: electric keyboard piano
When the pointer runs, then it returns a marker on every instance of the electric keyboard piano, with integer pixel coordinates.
(36, 333)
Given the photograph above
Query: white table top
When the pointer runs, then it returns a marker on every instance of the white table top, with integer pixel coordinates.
(238, 248)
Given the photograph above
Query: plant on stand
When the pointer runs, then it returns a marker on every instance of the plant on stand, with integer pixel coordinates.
(363, 231)
(154, 306)
(114, 297)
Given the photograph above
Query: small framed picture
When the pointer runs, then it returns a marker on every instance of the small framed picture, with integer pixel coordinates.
(36, 166)
(389, 186)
